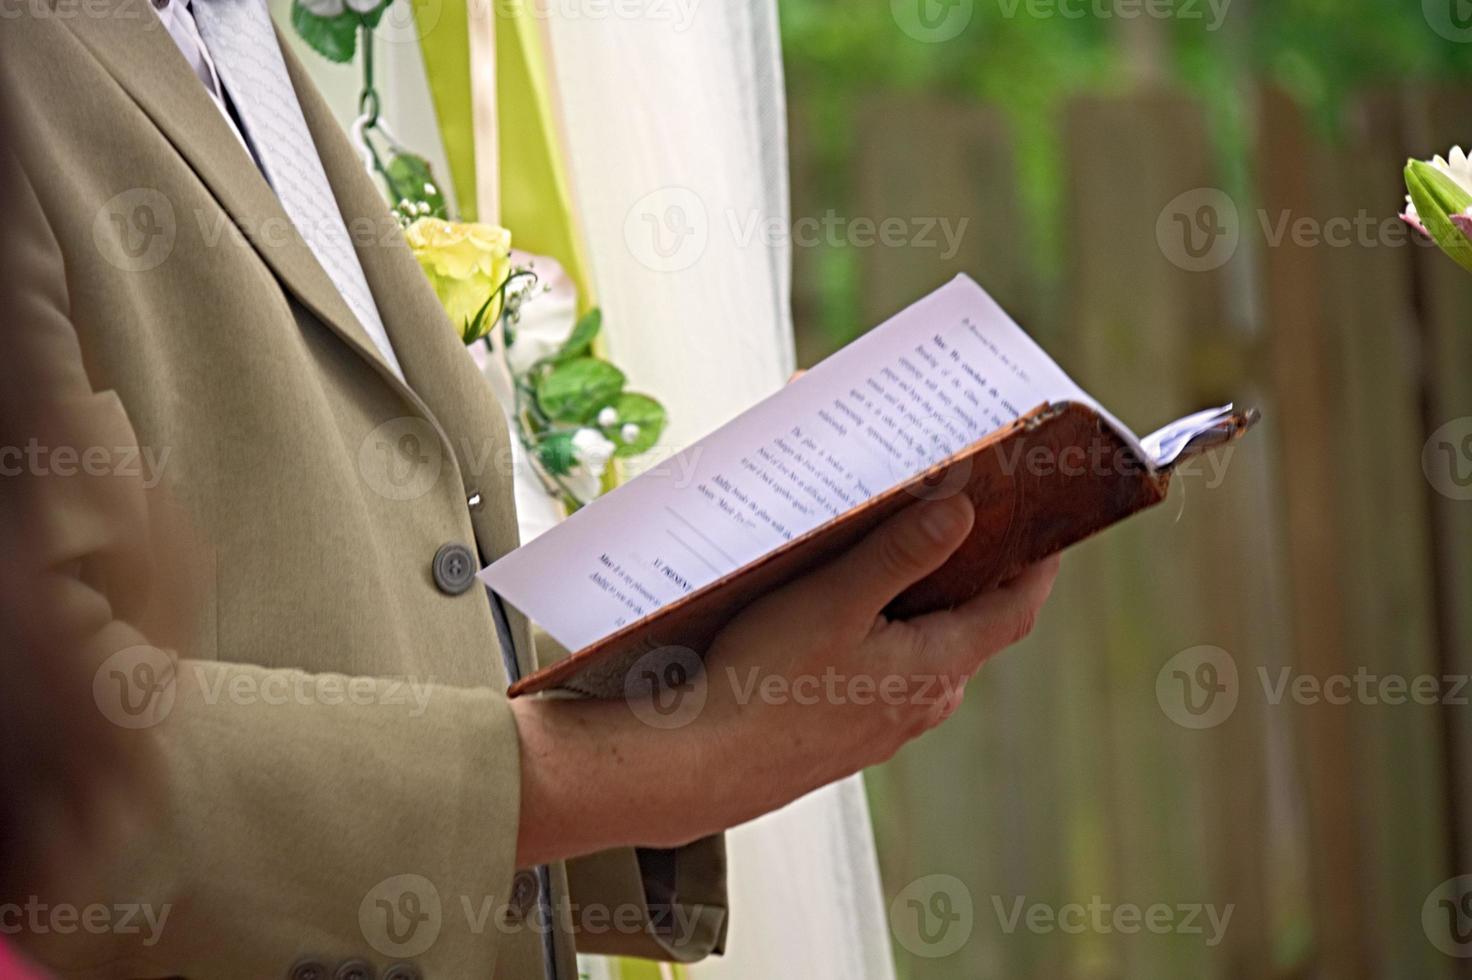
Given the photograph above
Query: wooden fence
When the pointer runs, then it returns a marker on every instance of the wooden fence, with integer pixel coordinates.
(1325, 551)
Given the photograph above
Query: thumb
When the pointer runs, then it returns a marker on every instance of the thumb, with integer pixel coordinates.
(897, 554)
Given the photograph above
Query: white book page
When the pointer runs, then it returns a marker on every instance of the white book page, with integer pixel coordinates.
(924, 385)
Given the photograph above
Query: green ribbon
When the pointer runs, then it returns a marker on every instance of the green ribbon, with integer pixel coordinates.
(536, 202)
(444, 40)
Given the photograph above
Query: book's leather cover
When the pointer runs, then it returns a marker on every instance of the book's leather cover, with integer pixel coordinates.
(1048, 480)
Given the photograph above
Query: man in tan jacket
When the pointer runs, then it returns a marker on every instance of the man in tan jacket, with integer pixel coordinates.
(346, 791)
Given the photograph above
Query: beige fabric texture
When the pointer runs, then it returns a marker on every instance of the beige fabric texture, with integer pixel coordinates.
(163, 287)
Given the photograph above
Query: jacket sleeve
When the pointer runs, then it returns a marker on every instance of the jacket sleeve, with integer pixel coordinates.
(679, 894)
(335, 820)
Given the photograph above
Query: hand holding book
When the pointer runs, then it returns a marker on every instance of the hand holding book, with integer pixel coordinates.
(807, 685)
(948, 397)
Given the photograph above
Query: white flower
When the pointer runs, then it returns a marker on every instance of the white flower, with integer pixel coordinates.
(608, 418)
(547, 314)
(629, 433)
(364, 6)
(592, 453)
(1457, 166)
(323, 8)
(592, 450)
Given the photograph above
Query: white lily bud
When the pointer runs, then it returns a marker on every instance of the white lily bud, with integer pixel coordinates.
(592, 450)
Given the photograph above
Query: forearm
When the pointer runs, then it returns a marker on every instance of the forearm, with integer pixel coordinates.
(594, 777)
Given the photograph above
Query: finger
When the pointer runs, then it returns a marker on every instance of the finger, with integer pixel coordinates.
(894, 556)
(964, 638)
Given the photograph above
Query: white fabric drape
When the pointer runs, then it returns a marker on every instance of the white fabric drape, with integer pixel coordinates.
(677, 146)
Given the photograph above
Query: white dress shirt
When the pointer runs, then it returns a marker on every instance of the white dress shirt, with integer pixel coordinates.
(179, 22)
(323, 227)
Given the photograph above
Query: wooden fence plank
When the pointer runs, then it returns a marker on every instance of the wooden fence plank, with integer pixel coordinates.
(1130, 340)
(1300, 342)
(1390, 626)
(1445, 307)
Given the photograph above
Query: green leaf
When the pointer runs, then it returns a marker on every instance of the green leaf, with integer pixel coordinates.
(556, 454)
(476, 329)
(581, 338)
(575, 390)
(643, 411)
(410, 179)
(372, 17)
(1436, 197)
(334, 38)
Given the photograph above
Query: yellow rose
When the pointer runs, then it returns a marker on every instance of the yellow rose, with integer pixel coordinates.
(466, 264)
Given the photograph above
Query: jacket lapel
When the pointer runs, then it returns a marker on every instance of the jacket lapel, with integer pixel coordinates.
(134, 47)
(428, 347)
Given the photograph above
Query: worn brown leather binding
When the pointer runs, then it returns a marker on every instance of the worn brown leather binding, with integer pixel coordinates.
(1048, 480)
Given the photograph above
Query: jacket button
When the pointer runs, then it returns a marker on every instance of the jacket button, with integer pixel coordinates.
(524, 891)
(307, 970)
(402, 971)
(354, 970)
(454, 569)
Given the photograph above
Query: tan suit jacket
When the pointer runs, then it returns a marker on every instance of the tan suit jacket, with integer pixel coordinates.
(341, 765)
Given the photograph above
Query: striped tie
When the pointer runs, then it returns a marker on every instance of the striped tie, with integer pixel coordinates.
(248, 58)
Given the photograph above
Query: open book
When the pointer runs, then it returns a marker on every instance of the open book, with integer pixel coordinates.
(949, 396)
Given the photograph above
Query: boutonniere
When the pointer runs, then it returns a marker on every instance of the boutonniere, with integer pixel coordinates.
(569, 408)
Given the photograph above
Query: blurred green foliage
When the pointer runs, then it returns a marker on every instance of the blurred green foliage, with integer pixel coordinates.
(1028, 57)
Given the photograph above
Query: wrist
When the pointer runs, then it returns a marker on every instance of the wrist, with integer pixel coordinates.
(595, 777)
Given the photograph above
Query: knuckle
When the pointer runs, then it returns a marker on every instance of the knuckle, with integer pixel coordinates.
(1024, 623)
(918, 645)
(899, 554)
